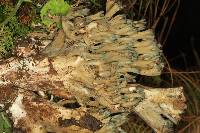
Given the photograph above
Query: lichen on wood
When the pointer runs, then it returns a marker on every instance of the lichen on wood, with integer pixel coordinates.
(89, 67)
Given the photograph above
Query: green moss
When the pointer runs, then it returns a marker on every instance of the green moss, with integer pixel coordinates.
(6, 41)
(53, 8)
(2, 14)
(5, 126)
(16, 28)
(5, 11)
(10, 28)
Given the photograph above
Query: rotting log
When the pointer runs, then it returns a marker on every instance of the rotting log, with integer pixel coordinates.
(89, 65)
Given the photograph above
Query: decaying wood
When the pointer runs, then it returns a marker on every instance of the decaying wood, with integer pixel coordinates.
(90, 66)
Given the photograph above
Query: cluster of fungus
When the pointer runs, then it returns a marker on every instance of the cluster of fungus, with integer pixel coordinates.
(83, 81)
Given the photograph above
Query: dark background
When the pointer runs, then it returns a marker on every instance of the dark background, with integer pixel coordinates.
(182, 47)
